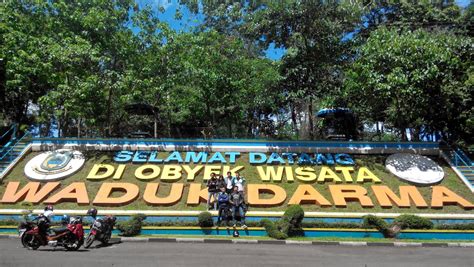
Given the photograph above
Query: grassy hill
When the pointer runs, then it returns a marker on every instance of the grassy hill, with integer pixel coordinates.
(374, 163)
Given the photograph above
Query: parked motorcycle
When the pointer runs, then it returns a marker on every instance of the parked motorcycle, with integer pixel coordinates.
(70, 237)
(101, 229)
(23, 228)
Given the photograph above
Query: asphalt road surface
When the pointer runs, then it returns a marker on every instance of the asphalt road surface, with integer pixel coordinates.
(226, 255)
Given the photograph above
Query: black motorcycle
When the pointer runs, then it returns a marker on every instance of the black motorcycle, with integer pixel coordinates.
(23, 228)
(101, 230)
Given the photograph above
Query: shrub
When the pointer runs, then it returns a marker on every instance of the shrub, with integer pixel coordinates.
(372, 221)
(272, 229)
(294, 214)
(205, 219)
(291, 222)
(407, 221)
(458, 226)
(8, 222)
(131, 227)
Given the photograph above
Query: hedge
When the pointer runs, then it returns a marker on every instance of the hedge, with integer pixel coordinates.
(205, 219)
(407, 221)
(131, 227)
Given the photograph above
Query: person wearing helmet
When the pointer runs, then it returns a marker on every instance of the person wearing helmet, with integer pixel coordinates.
(65, 219)
(93, 213)
(48, 211)
(44, 219)
(101, 228)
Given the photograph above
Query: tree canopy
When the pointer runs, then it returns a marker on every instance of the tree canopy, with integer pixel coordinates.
(77, 66)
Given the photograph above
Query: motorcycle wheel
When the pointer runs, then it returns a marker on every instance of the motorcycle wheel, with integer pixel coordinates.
(30, 241)
(72, 244)
(89, 240)
(22, 238)
(106, 238)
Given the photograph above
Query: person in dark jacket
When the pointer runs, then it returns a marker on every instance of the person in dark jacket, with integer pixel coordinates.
(212, 191)
(237, 202)
(220, 182)
(223, 204)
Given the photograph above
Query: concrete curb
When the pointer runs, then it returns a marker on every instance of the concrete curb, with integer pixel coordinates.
(352, 243)
(407, 244)
(278, 242)
(291, 242)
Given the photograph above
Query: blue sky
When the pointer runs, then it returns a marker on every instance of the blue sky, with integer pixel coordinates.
(190, 20)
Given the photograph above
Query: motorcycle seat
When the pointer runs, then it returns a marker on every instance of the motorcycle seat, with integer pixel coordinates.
(59, 230)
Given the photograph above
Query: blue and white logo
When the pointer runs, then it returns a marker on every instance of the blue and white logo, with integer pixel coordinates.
(54, 165)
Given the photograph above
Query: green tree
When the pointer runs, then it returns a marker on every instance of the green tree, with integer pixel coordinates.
(417, 80)
(315, 35)
(424, 14)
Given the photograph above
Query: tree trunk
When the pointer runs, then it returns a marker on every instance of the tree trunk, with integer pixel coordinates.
(59, 127)
(229, 127)
(404, 133)
(310, 119)
(109, 115)
(78, 127)
(155, 127)
(294, 123)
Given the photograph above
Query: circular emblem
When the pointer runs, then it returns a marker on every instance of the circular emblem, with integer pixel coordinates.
(414, 168)
(54, 165)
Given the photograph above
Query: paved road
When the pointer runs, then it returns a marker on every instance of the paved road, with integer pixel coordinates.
(226, 255)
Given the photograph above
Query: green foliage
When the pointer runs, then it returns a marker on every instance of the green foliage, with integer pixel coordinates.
(81, 64)
(291, 220)
(458, 226)
(402, 77)
(372, 221)
(407, 221)
(289, 225)
(404, 221)
(294, 214)
(272, 229)
(133, 226)
(8, 222)
(205, 219)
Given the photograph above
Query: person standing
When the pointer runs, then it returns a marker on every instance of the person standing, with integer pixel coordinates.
(220, 183)
(223, 203)
(237, 201)
(228, 182)
(240, 182)
(212, 191)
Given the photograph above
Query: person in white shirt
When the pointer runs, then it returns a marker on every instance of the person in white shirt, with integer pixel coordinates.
(239, 181)
(228, 182)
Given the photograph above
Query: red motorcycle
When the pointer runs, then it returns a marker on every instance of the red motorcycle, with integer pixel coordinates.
(70, 237)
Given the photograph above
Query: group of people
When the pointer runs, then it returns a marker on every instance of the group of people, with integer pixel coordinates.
(227, 195)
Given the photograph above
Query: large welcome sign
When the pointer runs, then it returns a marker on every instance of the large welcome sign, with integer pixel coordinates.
(184, 174)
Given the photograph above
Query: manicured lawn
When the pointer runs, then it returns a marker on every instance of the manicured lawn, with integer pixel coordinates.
(374, 163)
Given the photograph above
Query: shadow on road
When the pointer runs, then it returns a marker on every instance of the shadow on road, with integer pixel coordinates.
(62, 250)
(101, 245)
